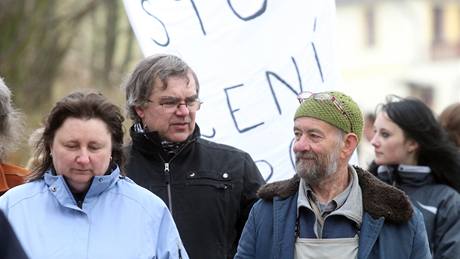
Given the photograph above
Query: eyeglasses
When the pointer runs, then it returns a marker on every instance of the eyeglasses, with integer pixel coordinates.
(171, 105)
(325, 97)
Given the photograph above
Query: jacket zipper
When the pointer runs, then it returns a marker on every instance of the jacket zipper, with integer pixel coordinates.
(168, 186)
(168, 175)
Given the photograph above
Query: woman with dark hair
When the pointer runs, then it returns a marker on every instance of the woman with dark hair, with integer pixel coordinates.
(413, 153)
(78, 203)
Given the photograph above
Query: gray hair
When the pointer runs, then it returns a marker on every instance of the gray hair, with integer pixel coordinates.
(11, 122)
(141, 82)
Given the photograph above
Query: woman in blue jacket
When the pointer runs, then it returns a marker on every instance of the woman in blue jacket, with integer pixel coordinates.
(78, 203)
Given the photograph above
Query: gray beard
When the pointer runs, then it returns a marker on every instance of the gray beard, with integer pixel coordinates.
(322, 167)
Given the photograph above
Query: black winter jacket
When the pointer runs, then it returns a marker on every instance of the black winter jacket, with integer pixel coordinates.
(208, 187)
(439, 204)
(10, 248)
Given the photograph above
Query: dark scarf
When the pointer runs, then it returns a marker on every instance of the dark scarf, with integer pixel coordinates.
(169, 148)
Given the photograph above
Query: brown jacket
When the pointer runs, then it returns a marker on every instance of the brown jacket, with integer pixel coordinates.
(10, 176)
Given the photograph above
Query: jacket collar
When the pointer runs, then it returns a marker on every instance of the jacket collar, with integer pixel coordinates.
(379, 199)
(405, 176)
(59, 188)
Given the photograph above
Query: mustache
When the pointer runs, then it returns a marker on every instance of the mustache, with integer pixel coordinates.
(305, 155)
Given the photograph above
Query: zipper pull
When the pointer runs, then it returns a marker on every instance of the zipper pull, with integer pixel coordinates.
(166, 170)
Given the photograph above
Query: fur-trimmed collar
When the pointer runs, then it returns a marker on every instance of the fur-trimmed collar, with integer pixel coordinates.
(379, 199)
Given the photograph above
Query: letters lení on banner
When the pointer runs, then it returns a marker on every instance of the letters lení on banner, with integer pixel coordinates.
(252, 59)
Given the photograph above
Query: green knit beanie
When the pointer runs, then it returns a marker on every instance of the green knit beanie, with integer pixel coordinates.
(330, 107)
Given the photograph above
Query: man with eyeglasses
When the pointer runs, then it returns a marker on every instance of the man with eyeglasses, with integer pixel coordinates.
(331, 209)
(208, 187)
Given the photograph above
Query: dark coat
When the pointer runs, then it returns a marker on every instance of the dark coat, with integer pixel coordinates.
(391, 228)
(440, 206)
(212, 189)
(10, 248)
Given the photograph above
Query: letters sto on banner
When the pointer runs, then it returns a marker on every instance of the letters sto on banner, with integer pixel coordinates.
(252, 58)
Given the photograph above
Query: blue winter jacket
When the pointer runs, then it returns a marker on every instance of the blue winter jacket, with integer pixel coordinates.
(118, 219)
(391, 228)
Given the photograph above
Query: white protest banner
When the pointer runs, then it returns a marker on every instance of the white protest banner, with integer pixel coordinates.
(252, 58)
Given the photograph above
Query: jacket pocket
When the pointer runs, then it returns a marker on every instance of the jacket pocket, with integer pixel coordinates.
(216, 179)
(214, 206)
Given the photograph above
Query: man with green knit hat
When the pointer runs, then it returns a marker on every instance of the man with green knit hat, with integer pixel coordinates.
(330, 209)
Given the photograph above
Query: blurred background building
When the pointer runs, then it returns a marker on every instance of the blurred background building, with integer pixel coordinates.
(405, 47)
